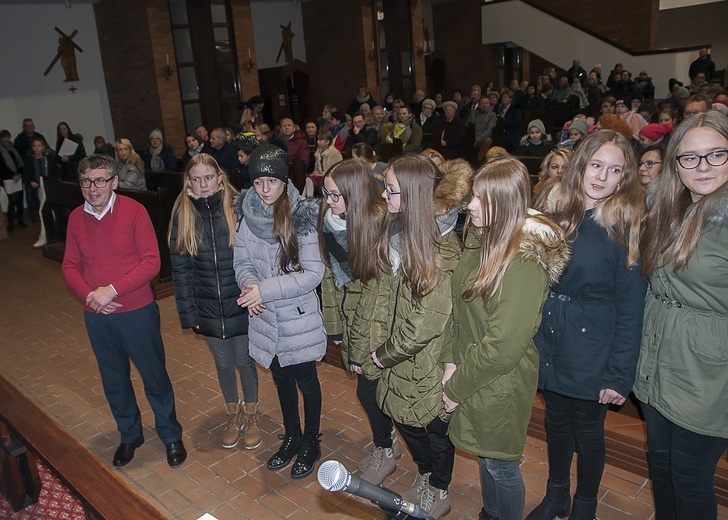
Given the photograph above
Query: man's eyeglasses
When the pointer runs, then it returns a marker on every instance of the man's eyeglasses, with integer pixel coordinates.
(648, 164)
(334, 196)
(99, 183)
(390, 192)
(690, 161)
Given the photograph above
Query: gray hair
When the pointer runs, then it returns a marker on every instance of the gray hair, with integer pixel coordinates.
(97, 161)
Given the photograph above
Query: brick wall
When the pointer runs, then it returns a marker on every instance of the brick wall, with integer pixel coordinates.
(243, 27)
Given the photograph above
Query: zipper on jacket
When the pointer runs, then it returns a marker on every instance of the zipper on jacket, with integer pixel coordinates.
(217, 272)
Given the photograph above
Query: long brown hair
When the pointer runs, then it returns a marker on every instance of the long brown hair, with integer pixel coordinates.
(675, 223)
(621, 213)
(365, 210)
(285, 234)
(188, 236)
(419, 234)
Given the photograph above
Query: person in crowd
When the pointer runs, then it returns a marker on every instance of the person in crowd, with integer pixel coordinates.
(578, 130)
(645, 87)
(537, 142)
(388, 103)
(339, 129)
(681, 377)
(428, 118)
(484, 120)
(252, 114)
(703, 64)
(667, 115)
(531, 100)
(459, 98)
(439, 99)
(102, 147)
(510, 115)
(417, 254)
(311, 133)
(405, 130)
(262, 132)
(472, 106)
(11, 169)
(589, 336)
(326, 154)
(650, 163)
(418, 96)
(361, 133)
(561, 92)
(432, 154)
(160, 157)
(24, 139)
(201, 130)
(635, 121)
(201, 239)
(194, 144)
(655, 133)
(576, 72)
(697, 82)
(379, 121)
(626, 87)
(295, 142)
(129, 166)
(224, 153)
(648, 110)
(614, 76)
(490, 360)
(278, 267)
(69, 163)
(366, 111)
(448, 136)
(112, 272)
(495, 153)
(241, 176)
(40, 164)
(324, 121)
(697, 104)
(362, 96)
(366, 154)
(553, 166)
(349, 223)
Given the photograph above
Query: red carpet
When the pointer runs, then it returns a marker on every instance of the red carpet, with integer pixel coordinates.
(55, 501)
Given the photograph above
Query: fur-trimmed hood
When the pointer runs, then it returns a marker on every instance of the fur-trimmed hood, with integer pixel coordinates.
(717, 210)
(541, 243)
(455, 185)
(305, 211)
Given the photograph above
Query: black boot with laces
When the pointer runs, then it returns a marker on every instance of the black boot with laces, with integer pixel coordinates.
(309, 453)
(290, 447)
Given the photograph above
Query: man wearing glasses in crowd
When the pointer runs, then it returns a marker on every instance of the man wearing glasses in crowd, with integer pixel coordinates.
(110, 259)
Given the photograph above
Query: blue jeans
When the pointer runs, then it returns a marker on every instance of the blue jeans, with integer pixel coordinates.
(229, 354)
(504, 494)
(682, 465)
(122, 336)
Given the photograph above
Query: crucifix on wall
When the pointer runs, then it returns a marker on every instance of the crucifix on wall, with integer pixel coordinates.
(286, 44)
(66, 52)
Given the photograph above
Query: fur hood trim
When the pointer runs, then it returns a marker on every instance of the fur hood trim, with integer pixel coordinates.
(305, 211)
(543, 245)
(717, 210)
(456, 183)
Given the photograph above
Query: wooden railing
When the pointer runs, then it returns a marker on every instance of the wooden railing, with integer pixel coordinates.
(103, 494)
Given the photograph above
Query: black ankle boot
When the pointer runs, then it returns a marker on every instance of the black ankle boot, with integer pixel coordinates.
(308, 455)
(556, 503)
(583, 509)
(290, 447)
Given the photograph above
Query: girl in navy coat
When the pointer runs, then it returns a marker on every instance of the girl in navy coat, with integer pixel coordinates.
(589, 336)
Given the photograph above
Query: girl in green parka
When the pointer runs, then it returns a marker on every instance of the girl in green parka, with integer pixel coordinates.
(490, 360)
(417, 253)
(350, 221)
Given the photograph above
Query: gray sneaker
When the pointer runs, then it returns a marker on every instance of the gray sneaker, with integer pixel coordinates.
(414, 494)
(382, 465)
(396, 448)
(435, 501)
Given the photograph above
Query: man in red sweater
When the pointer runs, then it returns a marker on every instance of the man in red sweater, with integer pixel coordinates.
(111, 257)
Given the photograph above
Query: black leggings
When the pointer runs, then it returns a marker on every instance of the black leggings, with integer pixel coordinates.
(381, 424)
(305, 376)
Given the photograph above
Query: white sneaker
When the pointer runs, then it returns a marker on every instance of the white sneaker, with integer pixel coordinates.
(40, 242)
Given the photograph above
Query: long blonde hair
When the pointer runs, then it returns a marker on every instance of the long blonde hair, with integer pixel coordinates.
(675, 223)
(621, 213)
(189, 233)
(419, 234)
(133, 156)
(504, 191)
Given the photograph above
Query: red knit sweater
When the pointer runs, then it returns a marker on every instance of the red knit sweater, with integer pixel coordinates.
(120, 249)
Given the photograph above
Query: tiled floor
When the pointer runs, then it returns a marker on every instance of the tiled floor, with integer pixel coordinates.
(45, 352)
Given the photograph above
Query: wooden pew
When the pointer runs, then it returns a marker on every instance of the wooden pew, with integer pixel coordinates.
(103, 494)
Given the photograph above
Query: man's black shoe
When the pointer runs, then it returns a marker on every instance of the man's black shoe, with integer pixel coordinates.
(125, 453)
(176, 453)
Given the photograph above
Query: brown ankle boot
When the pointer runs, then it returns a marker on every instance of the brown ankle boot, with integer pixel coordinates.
(231, 433)
(252, 436)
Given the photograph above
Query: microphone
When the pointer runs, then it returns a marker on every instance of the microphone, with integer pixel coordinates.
(333, 476)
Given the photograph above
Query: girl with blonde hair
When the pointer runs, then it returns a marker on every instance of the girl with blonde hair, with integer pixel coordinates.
(511, 256)
(129, 166)
(201, 240)
(553, 166)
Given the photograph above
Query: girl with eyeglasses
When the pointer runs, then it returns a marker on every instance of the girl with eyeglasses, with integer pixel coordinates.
(589, 336)
(681, 374)
(417, 253)
(350, 222)
(201, 239)
(490, 360)
(278, 268)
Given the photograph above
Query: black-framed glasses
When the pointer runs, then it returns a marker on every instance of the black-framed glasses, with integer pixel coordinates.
(334, 196)
(648, 164)
(390, 192)
(99, 183)
(690, 161)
